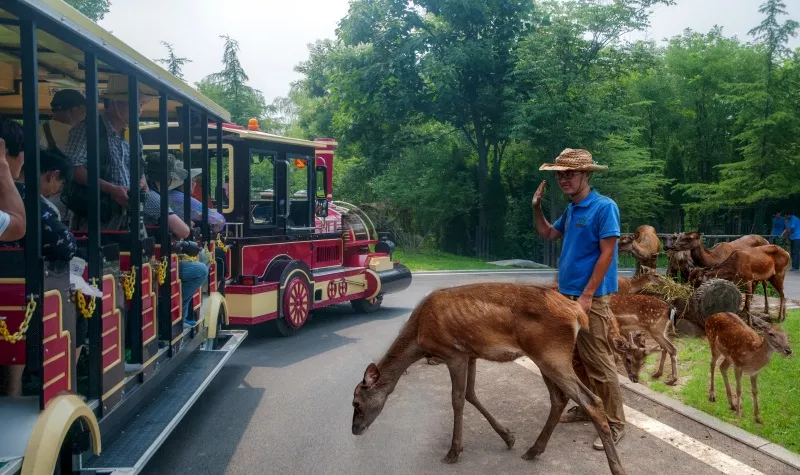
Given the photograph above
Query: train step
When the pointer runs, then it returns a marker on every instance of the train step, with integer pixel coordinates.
(137, 441)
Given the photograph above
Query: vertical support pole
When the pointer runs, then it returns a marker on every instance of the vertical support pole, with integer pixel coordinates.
(94, 257)
(187, 163)
(206, 188)
(134, 201)
(220, 191)
(34, 265)
(165, 290)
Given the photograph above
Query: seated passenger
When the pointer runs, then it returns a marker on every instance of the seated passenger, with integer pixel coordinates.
(12, 209)
(58, 244)
(193, 274)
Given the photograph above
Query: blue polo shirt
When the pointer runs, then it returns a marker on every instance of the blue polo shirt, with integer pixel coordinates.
(794, 225)
(584, 225)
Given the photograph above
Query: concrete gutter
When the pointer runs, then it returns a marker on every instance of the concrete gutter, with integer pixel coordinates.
(762, 445)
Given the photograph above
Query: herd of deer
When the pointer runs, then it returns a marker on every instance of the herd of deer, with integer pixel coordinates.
(503, 321)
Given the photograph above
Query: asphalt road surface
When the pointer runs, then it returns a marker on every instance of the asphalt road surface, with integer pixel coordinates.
(283, 406)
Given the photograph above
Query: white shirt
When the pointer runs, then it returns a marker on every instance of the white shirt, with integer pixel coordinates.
(60, 133)
(5, 220)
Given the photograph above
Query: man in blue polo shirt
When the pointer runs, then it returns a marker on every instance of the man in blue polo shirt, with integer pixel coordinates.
(587, 272)
(792, 233)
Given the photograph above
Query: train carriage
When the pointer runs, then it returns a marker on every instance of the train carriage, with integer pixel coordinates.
(108, 407)
(291, 247)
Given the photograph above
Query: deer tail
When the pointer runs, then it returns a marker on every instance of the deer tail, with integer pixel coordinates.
(581, 317)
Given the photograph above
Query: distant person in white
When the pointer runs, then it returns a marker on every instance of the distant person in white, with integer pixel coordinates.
(69, 109)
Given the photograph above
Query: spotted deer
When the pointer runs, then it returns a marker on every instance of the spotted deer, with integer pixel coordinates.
(497, 322)
(648, 314)
(740, 346)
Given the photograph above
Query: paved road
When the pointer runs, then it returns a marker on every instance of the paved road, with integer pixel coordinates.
(282, 406)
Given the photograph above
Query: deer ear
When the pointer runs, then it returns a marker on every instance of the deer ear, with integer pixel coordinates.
(371, 375)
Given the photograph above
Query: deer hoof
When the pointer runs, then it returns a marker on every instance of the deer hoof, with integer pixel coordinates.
(656, 375)
(712, 397)
(532, 453)
(671, 382)
(509, 439)
(452, 456)
(758, 420)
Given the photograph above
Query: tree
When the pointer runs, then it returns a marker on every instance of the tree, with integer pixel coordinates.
(229, 87)
(173, 62)
(93, 9)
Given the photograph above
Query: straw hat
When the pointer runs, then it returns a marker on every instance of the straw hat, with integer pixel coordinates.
(117, 89)
(574, 159)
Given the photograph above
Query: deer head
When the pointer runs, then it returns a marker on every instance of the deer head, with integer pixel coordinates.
(368, 399)
(687, 241)
(778, 340)
(625, 244)
(669, 241)
(698, 275)
(634, 353)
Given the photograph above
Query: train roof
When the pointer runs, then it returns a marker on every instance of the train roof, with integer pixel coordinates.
(232, 129)
(62, 35)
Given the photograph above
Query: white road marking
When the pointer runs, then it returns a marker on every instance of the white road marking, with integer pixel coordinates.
(708, 455)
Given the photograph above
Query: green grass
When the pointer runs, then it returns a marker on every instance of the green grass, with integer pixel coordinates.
(778, 388)
(428, 260)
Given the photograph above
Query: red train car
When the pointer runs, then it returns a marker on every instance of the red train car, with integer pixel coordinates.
(290, 249)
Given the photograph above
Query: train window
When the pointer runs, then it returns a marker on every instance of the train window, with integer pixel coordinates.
(262, 188)
(299, 186)
(227, 179)
(322, 183)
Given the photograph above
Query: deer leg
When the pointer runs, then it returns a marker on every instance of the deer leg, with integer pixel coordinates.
(667, 348)
(777, 282)
(754, 390)
(738, 373)
(558, 401)
(458, 378)
(568, 382)
(472, 398)
(747, 297)
(712, 395)
(723, 369)
(766, 300)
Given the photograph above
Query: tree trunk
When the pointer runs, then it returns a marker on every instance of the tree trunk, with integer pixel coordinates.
(714, 296)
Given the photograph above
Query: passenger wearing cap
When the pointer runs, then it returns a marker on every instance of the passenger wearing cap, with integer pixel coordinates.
(587, 272)
(69, 109)
(193, 274)
(115, 157)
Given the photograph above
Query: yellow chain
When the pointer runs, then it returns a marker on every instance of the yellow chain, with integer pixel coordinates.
(80, 299)
(185, 257)
(221, 244)
(161, 270)
(127, 283)
(23, 328)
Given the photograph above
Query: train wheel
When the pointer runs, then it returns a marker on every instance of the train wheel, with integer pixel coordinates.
(296, 306)
(367, 305)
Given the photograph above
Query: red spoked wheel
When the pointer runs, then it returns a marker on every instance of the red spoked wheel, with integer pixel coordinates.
(296, 305)
(332, 289)
(342, 288)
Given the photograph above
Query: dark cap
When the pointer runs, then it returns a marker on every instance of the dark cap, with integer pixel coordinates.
(67, 99)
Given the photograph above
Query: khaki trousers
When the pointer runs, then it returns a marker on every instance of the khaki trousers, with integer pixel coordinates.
(593, 360)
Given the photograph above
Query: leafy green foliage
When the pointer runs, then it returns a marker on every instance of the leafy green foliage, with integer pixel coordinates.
(93, 9)
(229, 87)
(173, 62)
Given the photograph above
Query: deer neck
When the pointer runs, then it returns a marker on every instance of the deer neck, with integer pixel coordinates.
(761, 356)
(702, 256)
(403, 353)
(638, 251)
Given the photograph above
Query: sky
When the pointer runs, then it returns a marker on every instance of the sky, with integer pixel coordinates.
(273, 34)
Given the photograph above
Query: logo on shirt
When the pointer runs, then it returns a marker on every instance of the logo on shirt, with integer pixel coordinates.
(581, 221)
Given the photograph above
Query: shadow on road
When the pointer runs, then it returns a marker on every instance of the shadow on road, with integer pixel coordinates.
(227, 398)
(264, 348)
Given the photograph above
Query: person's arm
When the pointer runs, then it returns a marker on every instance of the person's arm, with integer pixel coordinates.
(10, 201)
(543, 227)
(177, 226)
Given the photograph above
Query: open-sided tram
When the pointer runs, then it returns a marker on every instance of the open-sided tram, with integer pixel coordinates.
(107, 408)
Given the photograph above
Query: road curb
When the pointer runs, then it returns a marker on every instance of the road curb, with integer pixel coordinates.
(762, 445)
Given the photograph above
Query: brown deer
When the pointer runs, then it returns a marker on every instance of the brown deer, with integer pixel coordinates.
(637, 313)
(644, 245)
(746, 266)
(703, 257)
(739, 345)
(679, 263)
(497, 322)
(636, 284)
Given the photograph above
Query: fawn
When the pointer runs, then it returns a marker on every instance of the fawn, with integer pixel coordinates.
(633, 285)
(739, 345)
(497, 322)
(635, 313)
